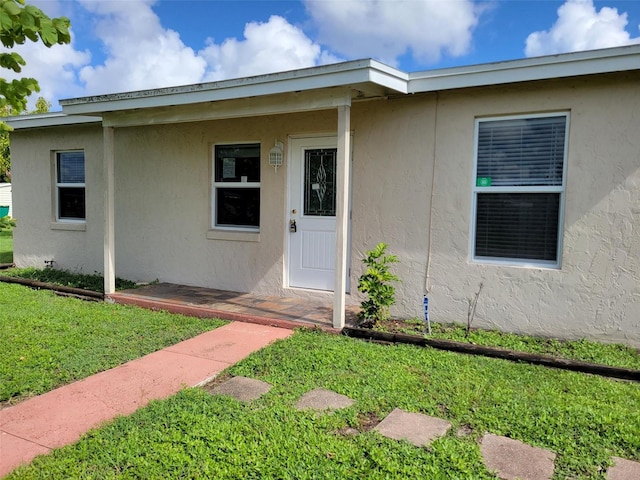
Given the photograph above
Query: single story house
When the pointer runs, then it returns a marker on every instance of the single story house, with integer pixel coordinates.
(522, 176)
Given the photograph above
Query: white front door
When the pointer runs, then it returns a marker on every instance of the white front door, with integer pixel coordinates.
(312, 206)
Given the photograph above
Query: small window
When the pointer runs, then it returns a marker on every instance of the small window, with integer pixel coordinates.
(519, 190)
(70, 186)
(236, 186)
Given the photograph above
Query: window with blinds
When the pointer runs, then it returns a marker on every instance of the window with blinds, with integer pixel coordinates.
(519, 189)
(70, 186)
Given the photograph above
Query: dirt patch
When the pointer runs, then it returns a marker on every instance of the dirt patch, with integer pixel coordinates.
(410, 327)
(213, 383)
(365, 422)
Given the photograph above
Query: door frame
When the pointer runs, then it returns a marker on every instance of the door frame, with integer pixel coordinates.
(287, 215)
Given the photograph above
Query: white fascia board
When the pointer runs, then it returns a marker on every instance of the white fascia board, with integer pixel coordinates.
(55, 119)
(539, 68)
(327, 76)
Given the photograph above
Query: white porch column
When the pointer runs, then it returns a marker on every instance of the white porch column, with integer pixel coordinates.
(109, 194)
(342, 210)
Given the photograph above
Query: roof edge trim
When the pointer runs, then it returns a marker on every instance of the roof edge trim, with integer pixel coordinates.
(54, 119)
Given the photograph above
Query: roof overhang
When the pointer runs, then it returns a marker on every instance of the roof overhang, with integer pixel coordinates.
(365, 78)
(54, 119)
(565, 65)
(317, 88)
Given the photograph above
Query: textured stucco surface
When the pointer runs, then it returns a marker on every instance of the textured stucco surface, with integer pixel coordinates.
(32, 154)
(596, 293)
(163, 206)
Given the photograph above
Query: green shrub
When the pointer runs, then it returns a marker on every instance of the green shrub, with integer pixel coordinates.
(7, 223)
(374, 282)
(66, 278)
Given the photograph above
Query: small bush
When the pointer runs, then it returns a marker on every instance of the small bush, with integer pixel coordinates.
(374, 282)
(7, 223)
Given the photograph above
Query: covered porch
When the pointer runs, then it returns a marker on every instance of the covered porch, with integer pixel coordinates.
(190, 123)
(236, 306)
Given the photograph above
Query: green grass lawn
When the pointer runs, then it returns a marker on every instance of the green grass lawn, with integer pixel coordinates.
(6, 246)
(583, 418)
(47, 341)
(614, 354)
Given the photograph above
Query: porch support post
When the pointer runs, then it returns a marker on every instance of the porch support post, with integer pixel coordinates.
(342, 210)
(109, 194)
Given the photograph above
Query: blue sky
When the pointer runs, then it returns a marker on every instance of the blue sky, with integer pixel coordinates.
(124, 45)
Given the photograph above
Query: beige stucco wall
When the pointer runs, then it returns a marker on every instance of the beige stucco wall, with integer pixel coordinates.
(162, 186)
(596, 293)
(163, 206)
(36, 237)
(163, 176)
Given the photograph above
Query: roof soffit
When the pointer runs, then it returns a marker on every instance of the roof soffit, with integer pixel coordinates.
(291, 102)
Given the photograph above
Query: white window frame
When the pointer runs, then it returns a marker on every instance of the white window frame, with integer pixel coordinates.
(215, 185)
(560, 189)
(59, 185)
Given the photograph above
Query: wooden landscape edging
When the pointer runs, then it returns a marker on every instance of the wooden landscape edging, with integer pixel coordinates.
(494, 352)
(56, 288)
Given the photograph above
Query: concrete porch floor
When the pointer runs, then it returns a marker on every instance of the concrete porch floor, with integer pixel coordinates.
(244, 307)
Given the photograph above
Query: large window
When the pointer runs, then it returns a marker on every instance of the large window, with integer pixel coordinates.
(236, 186)
(519, 189)
(70, 186)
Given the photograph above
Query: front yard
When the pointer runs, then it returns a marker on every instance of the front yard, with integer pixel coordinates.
(584, 419)
(47, 341)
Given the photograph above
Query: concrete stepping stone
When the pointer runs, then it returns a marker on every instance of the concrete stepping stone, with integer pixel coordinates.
(242, 388)
(321, 399)
(623, 470)
(513, 460)
(416, 428)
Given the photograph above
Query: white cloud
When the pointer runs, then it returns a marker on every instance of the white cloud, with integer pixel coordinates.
(267, 47)
(388, 29)
(141, 53)
(581, 27)
(55, 69)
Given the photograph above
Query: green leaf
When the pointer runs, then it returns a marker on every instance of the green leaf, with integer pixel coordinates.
(48, 33)
(12, 61)
(27, 19)
(11, 8)
(6, 23)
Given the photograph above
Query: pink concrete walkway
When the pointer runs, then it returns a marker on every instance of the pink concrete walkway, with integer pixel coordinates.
(60, 417)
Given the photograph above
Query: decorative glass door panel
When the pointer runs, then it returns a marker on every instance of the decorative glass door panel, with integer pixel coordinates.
(320, 182)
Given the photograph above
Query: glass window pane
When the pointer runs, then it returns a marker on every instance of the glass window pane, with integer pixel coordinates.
(238, 207)
(517, 225)
(521, 152)
(320, 182)
(237, 163)
(71, 203)
(70, 167)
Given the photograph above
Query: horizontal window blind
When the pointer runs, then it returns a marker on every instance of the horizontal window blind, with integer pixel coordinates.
(521, 152)
(517, 225)
(519, 189)
(70, 167)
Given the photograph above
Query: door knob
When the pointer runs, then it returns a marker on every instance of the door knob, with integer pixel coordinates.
(293, 228)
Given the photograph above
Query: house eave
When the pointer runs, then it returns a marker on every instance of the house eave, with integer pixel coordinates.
(53, 119)
(365, 77)
(362, 79)
(550, 67)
